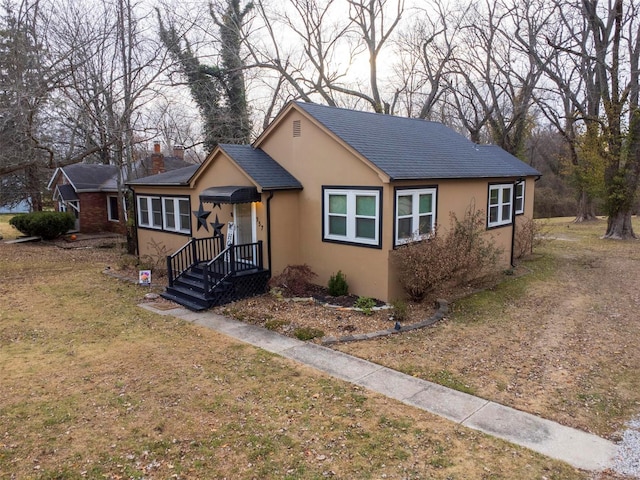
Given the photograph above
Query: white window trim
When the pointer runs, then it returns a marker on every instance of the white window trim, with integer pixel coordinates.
(500, 205)
(176, 215)
(415, 215)
(521, 183)
(350, 237)
(109, 209)
(148, 200)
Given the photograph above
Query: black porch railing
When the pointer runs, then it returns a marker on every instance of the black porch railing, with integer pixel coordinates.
(217, 263)
(231, 261)
(195, 251)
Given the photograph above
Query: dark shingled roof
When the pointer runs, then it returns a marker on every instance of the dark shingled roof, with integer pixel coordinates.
(180, 176)
(66, 193)
(89, 177)
(409, 148)
(263, 169)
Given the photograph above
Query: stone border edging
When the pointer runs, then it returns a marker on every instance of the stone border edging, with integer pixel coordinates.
(443, 309)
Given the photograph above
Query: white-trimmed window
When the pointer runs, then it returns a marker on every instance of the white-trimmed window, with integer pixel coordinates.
(113, 214)
(500, 211)
(149, 212)
(176, 215)
(415, 214)
(519, 198)
(352, 216)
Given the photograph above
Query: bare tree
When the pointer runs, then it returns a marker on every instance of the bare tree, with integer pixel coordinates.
(217, 88)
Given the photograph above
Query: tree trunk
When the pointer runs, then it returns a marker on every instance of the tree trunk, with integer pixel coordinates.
(586, 210)
(619, 227)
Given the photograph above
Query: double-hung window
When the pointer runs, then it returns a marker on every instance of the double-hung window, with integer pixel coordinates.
(112, 208)
(149, 212)
(519, 208)
(500, 205)
(415, 214)
(352, 216)
(176, 214)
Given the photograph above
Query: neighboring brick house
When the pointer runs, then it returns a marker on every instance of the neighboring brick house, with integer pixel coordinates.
(90, 191)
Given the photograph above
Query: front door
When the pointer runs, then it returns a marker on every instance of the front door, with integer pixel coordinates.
(244, 216)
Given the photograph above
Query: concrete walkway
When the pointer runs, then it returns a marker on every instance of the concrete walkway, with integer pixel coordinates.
(579, 449)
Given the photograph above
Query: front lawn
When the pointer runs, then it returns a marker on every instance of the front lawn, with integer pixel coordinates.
(560, 342)
(95, 387)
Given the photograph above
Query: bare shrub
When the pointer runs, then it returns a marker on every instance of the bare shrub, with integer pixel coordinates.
(527, 236)
(462, 255)
(157, 259)
(296, 279)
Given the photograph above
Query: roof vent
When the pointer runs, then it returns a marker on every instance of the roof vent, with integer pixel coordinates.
(296, 128)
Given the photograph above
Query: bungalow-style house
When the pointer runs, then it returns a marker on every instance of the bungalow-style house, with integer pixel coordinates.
(90, 191)
(332, 188)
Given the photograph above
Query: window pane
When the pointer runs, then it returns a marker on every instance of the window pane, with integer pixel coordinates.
(183, 205)
(493, 214)
(506, 212)
(404, 205)
(506, 195)
(185, 214)
(425, 224)
(366, 205)
(144, 211)
(519, 205)
(337, 225)
(365, 228)
(404, 227)
(170, 219)
(156, 207)
(338, 204)
(425, 204)
(493, 196)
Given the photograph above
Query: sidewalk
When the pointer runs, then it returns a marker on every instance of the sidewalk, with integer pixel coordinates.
(577, 448)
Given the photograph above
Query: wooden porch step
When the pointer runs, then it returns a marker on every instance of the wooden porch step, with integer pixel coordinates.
(185, 302)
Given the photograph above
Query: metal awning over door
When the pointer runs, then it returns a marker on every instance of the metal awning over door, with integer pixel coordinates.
(230, 194)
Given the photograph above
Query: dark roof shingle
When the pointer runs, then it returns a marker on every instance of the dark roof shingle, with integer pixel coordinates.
(263, 169)
(409, 148)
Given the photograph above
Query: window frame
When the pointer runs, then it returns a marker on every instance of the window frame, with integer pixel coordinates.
(501, 188)
(351, 216)
(415, 192)
(162, 225)
(519, 198)
(110, 213)
(176, 214)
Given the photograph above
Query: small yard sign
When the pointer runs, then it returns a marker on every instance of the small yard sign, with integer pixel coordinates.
(144, 277)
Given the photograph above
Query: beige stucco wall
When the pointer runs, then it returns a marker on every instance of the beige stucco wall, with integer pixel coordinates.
(316, 159)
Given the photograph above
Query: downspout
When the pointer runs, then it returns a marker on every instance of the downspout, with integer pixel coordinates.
(269, 231)
(513, 221)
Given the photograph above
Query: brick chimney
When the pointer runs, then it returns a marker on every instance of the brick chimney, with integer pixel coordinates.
(178, 151)
(157, 159)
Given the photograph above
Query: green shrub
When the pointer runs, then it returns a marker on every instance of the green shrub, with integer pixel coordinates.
(48, 225)
(338, 285)
(400, 310)
(466, 253)
(365, 304)
(307, 333)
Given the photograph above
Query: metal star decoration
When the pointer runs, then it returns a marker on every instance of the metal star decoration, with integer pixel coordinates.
(217, 227)
(202, 215)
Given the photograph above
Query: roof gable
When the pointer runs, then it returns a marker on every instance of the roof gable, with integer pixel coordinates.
(408, 148)
(260, 167)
